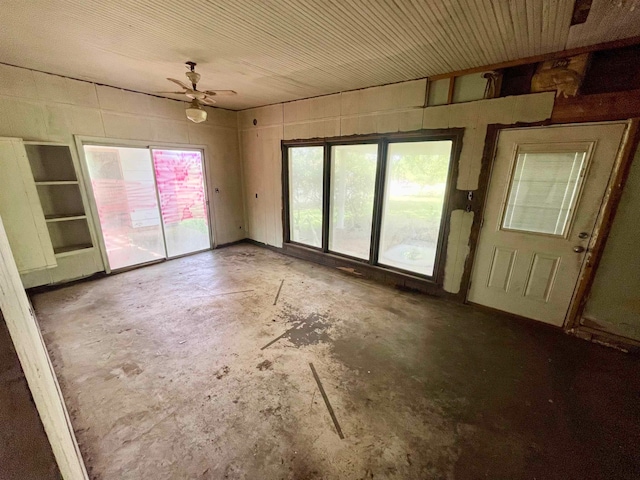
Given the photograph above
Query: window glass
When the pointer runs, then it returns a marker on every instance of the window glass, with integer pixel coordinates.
(415, 186)
(353, 178)
(305, 195)
(543, 191)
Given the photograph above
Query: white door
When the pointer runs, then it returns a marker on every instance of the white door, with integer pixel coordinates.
(545, 192)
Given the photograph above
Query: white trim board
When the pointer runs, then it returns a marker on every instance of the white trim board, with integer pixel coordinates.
(32, 352)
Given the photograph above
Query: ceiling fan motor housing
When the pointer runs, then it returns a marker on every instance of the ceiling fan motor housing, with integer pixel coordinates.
(193, 77)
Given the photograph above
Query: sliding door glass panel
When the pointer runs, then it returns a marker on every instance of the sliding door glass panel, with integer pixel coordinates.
(353, 178)
(125, 195)
(415, 186)
(305, 195)
(181, 189)
(543, 191)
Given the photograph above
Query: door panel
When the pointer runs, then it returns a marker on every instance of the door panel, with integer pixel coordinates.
(124, 190)
(501, 268)
(183, 201)
(544, 196)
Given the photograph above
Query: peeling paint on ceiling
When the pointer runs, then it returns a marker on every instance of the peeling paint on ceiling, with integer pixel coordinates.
(280, 50)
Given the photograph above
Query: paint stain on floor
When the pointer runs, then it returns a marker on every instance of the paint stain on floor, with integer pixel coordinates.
(306, 329)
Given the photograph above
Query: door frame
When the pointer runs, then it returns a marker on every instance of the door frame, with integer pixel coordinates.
(604, 220)
(39, 372)
(81, 140)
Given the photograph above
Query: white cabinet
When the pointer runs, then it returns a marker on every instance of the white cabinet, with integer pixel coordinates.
(21, 210)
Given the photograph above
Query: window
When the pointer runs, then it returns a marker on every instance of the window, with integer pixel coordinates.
(543, 191)
(305, 194)
(415, 186)
(353, 180)
(381, 200)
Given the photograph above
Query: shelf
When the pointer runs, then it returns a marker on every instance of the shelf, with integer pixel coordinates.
(69, 235)
(71, 249)
(51, 162)
(59, 182)
(61, 200)
(64, 218)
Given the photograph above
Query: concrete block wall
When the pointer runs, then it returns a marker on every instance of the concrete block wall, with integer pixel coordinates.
(41, 107)
(385, 109)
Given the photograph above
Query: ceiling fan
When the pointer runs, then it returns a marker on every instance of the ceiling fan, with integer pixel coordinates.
(195, 112)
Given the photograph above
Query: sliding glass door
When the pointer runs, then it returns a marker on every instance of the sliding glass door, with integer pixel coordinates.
(151, 203)
(183, 202)
(124, 190)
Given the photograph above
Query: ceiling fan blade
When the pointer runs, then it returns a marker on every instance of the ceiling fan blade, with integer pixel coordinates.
(175, 93)
(178, 82)
(208, 101)
(220, 92)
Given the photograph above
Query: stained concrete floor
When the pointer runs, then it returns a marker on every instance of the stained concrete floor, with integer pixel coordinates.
(165, 377)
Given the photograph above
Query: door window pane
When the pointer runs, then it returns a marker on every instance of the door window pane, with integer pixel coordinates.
(180, 179)
(305, 195)
(543, 191)
(353, 177)
(415, 186)
(125, 195)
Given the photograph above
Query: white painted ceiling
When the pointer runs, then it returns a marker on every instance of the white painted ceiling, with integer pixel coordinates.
(278, 50)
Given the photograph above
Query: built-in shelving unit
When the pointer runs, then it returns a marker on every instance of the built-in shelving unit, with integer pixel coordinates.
(59, 191)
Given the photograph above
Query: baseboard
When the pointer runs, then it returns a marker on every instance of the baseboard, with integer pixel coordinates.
(401, 281)
(230, 244)
(607, 339)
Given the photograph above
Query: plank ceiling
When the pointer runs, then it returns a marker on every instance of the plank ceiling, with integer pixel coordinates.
(277, 50)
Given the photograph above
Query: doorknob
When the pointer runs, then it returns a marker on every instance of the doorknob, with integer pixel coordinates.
(578, 249)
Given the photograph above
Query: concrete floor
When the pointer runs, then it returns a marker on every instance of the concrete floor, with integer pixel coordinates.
(165, 378)
(25, 452)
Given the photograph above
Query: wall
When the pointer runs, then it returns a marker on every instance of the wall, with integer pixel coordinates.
(43, 107)
(390, 108)
(614, 301)
(25, 453)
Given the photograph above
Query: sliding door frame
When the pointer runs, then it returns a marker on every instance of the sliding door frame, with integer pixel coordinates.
(94, 219)
(453, 198)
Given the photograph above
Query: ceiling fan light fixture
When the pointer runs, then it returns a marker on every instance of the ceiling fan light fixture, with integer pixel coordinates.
(196, 113)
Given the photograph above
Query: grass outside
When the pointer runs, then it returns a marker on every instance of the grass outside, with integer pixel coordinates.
(423, 212)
